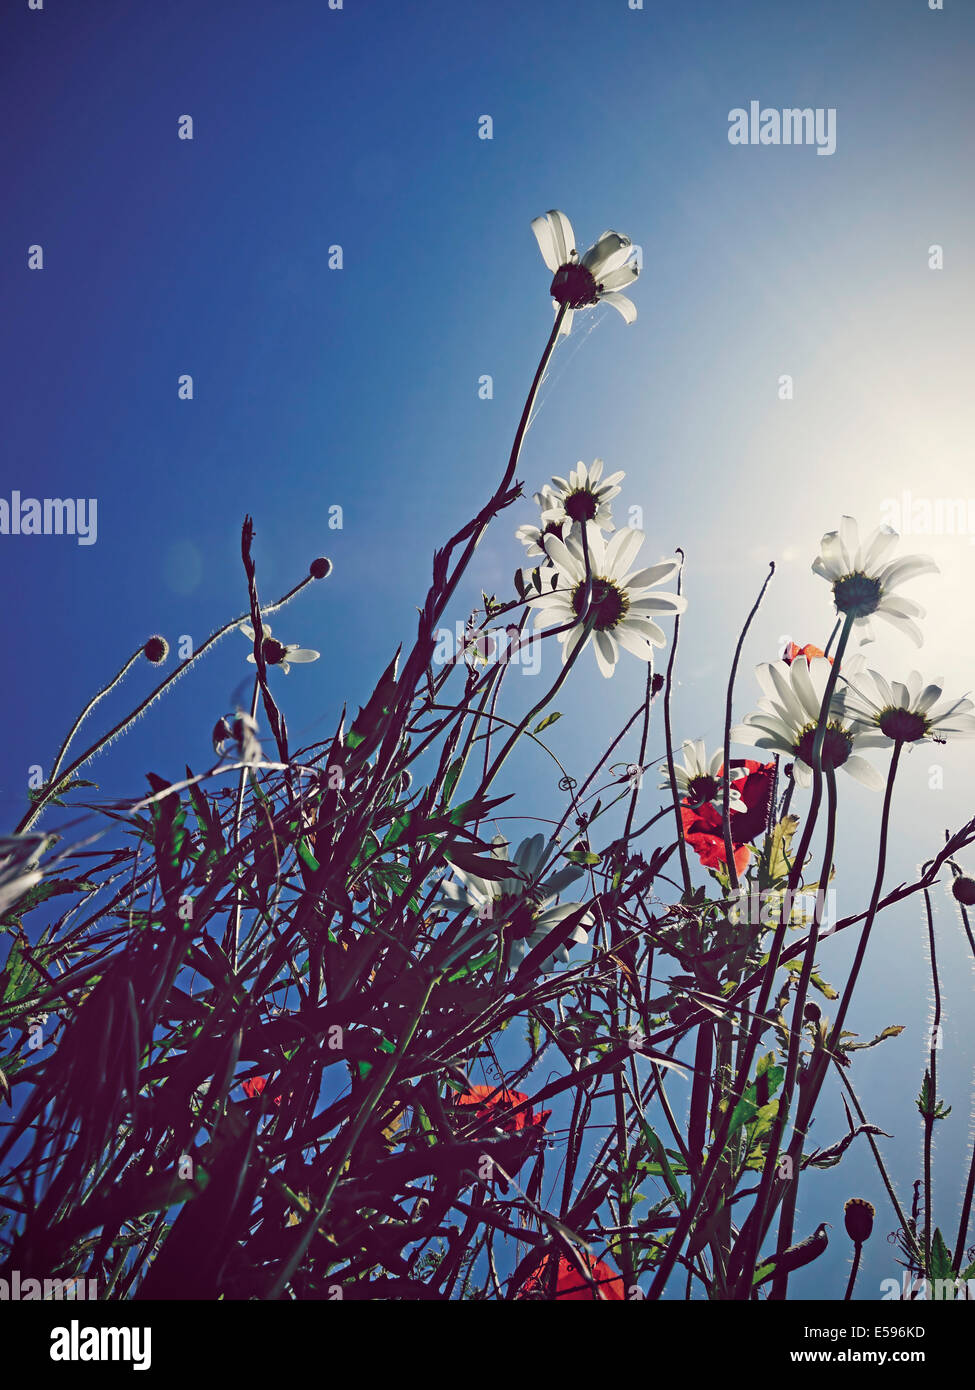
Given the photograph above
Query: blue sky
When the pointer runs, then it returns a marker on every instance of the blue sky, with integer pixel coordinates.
(357, 388)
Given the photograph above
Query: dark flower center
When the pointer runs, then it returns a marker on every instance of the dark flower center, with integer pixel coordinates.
(837, 745)
(858, 594)
(522, 921)
(902, 724)
(606, 606)
(274, 652)
(519, 910)
(703, 788)
(574, 286)
(581, 505)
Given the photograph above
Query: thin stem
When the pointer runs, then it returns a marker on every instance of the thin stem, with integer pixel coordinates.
(966, 1206)
(668, 736)
(729, 848)
(780, 1282)
(861, 1116)
(857, 1252)
(699, 1191)
(832, 636)
(28, 820)
(930, 1116)
(878, 883)
(88, 709)
(820, 1063)
(643, 752)
(234, 935)
(444, 584)
(523, 725)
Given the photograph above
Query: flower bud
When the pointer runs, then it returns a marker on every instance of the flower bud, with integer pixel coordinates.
(963, 889)
(320, 568)
(156, 649)
(858, 1215)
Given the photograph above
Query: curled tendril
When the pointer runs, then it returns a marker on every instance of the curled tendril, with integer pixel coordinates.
(567, 783)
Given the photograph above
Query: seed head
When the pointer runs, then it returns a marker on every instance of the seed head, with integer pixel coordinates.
(858, 1215)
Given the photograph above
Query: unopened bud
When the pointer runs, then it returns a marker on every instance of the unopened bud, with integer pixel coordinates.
(964, 890)
(156, 649)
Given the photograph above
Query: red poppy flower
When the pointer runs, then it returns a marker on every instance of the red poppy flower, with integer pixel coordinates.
(808, 651)
(254, 1087)
(570, 1283)
(495, 1101)
(702, 824)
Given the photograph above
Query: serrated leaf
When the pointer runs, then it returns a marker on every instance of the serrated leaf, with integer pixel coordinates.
(941, 1264)
(892, 1032)
(829, 1157)
(775, 861)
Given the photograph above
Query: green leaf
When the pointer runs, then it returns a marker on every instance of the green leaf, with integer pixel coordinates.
(369, 724)
(941, 1265)
(305, 854)
(549, 719)
(47, 888)
(659, 1155)
(451, 779)
(775, 859)
(472, 967)
(38, 793)
(581, 856)
(927, 1102)
(756, 1104)
(817, 981)
(366, 1067)
(18, 978)
(829, 1157)
(891, 1032)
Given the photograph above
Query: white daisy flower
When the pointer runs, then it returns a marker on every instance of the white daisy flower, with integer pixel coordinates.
(238, 732)
(526, 902)
(532, 537)
(621, 607)
(699, 778)
(905, 711)
(605, 269)
(787, 718)
(584, 496)
(276, 653)
(863, 584)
